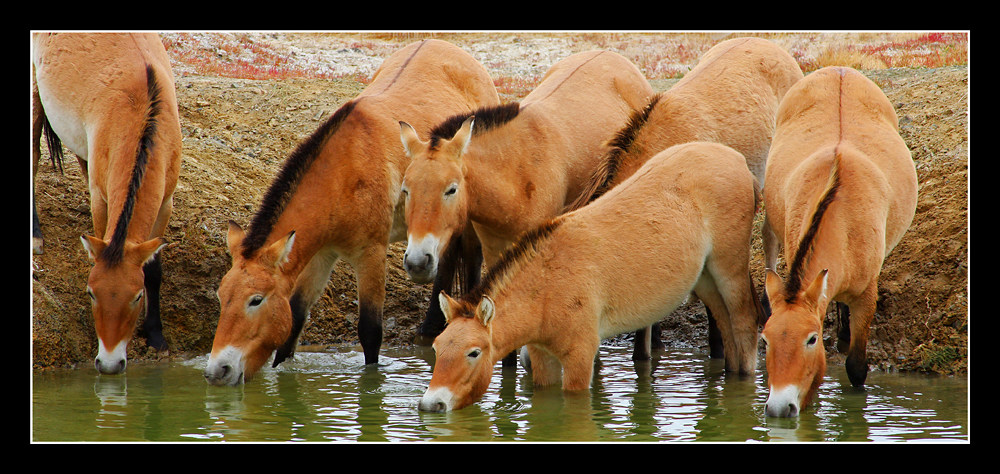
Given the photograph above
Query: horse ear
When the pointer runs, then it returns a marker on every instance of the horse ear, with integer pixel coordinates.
(772, 284)
(235, 237)
(445, 302)
(93, 245)
(145, 251)
(485, 310)
(411, 141)
(460, 141)
(279, 250)
(816, 293)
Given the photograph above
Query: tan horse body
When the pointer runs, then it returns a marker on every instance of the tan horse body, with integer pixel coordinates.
(841, 192)
(681, 224)
(730, 97)
(110, 99)
(336, 197)
(508, 169)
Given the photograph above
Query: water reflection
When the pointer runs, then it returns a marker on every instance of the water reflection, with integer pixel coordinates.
(333, 396)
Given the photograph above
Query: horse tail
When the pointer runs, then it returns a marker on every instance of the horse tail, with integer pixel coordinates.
(114, 252)
(54, 144)
(794, 283)
(605, 175)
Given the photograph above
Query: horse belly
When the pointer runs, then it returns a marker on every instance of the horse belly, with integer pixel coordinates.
(65, 122)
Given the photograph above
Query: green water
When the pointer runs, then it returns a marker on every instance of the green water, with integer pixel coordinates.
(331, 396)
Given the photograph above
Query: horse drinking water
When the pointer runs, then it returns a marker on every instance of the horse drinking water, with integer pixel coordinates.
(507, 169)
(841, 192)
(337, 196)
(730, 97)
(681, 224)
(110, 99)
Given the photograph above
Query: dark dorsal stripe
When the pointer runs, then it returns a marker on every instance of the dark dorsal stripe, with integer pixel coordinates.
(794, 283)
(487, 118)
(520, 251)
(288, 179)
(114, 252)
(611, 163)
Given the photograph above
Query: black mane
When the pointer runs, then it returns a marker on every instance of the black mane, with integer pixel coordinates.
(288, 179)
(114, 252)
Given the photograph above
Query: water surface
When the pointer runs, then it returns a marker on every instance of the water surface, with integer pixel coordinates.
(681, 395)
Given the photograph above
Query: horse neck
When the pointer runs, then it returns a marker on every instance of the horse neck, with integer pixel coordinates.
(517, 322)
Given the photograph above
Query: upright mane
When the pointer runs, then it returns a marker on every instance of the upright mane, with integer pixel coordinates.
(114, 252)
(794, 282)
(487, 118)
(288, 179)
(620, 145)
(525, 247)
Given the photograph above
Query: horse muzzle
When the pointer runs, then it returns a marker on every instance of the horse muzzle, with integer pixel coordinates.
(783, 402)
(226, 369)
(111, 362)
(420, 259)
(436, 400)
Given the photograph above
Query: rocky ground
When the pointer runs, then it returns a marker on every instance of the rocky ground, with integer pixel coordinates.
(237, 133)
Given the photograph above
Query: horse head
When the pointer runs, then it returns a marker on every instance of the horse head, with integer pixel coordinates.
(116, 287)
(796, 358)
(464, 356)
(434, 189)
(256, 316)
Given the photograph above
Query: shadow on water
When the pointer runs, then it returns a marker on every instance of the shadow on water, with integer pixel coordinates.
(331, 396)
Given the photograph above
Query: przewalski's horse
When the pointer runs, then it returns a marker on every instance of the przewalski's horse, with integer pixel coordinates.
(110, 99)
(337, 196)
(510, 168)
(730, 97)
(841, 192)
(681, 224)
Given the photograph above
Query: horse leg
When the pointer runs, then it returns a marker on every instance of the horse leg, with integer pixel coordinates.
(716, 348)
(861, 313)
(309, 287)
(731, 301)
(578, 367)
(844, 319)
(152, 326)
(37, 122)
(642, 344)
(371, 297)
(546, 369)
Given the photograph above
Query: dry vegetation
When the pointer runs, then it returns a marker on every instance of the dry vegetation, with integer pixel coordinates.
(247, 99)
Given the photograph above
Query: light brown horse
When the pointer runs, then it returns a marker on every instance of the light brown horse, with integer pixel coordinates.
(337, 196)
(110, 99)
(681, 224)
(730, 97)
(510, 168)
(841, 192)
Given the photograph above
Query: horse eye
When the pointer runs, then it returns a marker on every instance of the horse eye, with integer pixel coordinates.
(451, 190)
(812, 340)
(137, 297)
(256, 300)
(90, 293)
(475, 353)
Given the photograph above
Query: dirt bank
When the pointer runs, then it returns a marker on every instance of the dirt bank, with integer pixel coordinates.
(237, 132)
